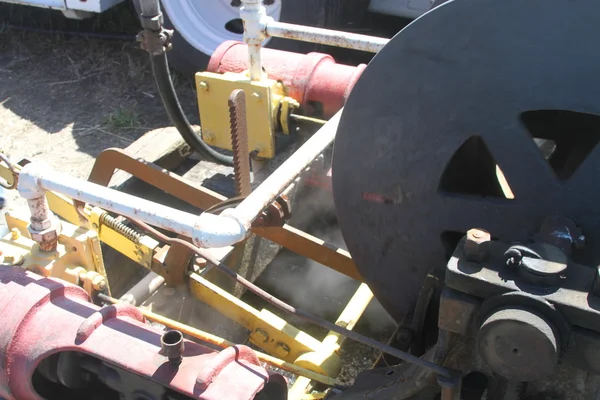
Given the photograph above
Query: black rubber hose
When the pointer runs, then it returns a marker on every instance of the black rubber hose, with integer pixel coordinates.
(162, 76)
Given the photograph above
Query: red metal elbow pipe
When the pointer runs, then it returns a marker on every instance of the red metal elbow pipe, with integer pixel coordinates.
(43, 317)
(310, 78)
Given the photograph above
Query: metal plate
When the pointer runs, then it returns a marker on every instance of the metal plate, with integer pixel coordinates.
(469, 68)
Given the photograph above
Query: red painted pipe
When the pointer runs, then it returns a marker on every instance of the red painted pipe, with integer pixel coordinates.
(42, 317)
(312, 77)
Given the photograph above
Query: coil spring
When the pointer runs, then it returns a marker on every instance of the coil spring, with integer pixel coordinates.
(123, 229)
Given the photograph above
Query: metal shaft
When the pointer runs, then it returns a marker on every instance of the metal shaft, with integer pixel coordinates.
(239, 142)
(329, 37)
(150, 8)
(278, 181)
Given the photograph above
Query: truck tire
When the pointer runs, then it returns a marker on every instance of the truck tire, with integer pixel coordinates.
(200, 26)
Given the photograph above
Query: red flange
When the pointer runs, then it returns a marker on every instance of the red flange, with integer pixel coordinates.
(310, 78)
(42, 317)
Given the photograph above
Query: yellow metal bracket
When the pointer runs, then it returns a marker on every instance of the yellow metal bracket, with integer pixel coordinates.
(287, 105)
(140, 251)
(77, 259)
(269, 332)
(262, 109)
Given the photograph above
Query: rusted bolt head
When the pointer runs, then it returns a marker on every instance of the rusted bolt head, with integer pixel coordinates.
(477, 245)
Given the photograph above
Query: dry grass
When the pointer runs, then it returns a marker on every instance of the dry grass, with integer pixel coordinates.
(64, 98)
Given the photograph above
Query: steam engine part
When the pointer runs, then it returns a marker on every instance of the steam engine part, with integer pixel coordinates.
(56, 345)
(489, 124)
(76, 257)
(315, 80)
(530, 310)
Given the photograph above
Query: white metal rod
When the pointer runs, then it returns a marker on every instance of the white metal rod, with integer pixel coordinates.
(371, 44)
(249, 209)
(206, 230)
(253, 15)
(254, 55)
(121, 203)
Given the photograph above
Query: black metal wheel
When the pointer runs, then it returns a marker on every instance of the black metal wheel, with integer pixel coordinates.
(473, 93)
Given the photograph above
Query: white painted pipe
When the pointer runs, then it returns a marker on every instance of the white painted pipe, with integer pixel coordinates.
(206, 230)
(254, 15)
(249, 209)
(371, 44)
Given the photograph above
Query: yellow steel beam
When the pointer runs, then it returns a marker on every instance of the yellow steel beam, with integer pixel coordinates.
(332, 342)
(268, 331)
(223, 343)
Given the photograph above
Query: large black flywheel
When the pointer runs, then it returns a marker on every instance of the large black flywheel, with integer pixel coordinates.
(472, 94)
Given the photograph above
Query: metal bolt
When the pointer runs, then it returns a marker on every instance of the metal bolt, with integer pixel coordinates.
(15, 234)
(261, 335)
(477, 245)
(203, 86)
(282, 350)
(256, 96)
(95, 226)
(13, 259)
(208, 136)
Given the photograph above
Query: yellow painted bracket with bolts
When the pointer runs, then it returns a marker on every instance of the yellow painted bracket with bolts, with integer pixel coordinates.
(77, 258)
(267, 110)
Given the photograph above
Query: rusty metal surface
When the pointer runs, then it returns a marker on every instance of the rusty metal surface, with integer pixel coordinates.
(396, 199)
(177, 261)
(86, 329)
(112, 159)
(458, 312)
(287, 236)
(239, 142)
(311, 247)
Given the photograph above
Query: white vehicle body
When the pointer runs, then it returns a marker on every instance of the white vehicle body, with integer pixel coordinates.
(78, 8)
(71, 8)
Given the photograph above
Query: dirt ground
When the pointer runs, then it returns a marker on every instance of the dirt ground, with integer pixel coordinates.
(65, 98)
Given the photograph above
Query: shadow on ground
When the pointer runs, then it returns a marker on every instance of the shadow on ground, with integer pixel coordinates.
(101, 90)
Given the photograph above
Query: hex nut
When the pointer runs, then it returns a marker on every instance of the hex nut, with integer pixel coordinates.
(477, 245)
(46, 238)
(41, 225)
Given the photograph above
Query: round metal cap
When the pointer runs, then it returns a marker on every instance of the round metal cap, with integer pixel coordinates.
(518, 344)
